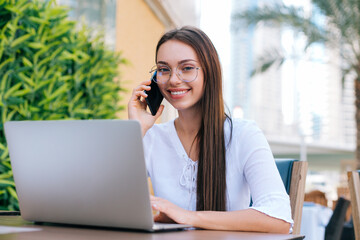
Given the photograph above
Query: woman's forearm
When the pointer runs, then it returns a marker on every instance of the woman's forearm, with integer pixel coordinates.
(242, 220)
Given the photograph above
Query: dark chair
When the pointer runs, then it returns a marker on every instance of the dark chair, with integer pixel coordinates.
(334, 228)
(348, 231)
(354, 188)
(284, 167)
(293, 174)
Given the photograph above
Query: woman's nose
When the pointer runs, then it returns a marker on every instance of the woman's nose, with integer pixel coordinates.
(174, 78)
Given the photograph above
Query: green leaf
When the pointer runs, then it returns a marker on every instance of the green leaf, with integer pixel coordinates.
(24, 7)
(27, 62)
(6, 175)
(4, 182)
(14, 101)
(2, 147)
(6, 62)
(63, 89)
(20, 40)
(60, 31)
(2, 43)
(83, 111)
(4, 79)
(13, 9)
(59, 91)
(36, 45)
(39, 20)
(12, 192)
(21, 93)
(77, 97)
(34, 109)
(26, 79)
(44, 61)
(12, 90)
(6, 164)
(6, 152)
(56, 52)
(56, 11)
(66, 78)
(67, 55)
(42, 84)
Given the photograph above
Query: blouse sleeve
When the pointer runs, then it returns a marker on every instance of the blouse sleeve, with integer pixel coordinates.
(266, 187)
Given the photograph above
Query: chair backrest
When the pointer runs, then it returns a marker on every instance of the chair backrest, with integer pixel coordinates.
(285, 169)
(354, 187)
(335, 226)
(293, 174)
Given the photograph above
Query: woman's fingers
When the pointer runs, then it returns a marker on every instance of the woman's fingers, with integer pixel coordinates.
(169, 211)
(139, 91)
(154, 200)
(161, 217)
(156, 203)
(139, 94)
(142, 88)
(146, 82)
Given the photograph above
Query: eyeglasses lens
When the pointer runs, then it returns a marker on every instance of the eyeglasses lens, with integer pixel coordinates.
(186, 72)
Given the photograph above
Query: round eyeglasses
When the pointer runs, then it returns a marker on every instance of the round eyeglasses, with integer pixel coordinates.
(187, 72)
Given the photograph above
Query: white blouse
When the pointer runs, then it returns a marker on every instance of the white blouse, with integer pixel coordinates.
(250, 170)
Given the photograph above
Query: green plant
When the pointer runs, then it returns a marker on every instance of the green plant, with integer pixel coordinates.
(341, 30)
(49, 70)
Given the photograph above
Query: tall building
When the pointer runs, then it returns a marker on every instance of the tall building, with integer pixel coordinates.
(301, 107)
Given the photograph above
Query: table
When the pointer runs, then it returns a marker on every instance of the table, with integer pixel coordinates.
(71, 232)
(314, 219)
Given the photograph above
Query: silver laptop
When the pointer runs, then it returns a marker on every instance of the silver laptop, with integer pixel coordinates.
(87, 172)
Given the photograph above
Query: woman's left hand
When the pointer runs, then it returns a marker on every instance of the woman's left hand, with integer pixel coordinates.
(169, 212)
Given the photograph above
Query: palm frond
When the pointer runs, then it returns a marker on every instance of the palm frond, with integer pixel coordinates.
(283, 15)
(343, 16)
(333, 22)
(271, 58)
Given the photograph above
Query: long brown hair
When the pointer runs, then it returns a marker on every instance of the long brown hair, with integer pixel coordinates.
(211, 177)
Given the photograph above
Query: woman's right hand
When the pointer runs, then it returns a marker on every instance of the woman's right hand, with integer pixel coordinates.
(137, 107)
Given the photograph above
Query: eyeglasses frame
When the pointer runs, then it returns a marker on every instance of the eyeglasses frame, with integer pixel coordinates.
(155, 67)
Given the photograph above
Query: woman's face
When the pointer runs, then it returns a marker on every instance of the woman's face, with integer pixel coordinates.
(180, 94)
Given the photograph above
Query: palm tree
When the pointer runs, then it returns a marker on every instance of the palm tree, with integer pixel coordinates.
(342, 30)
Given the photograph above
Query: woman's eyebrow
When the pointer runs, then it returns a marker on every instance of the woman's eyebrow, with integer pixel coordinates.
(162, 62)
(186, 60)
(181, 61)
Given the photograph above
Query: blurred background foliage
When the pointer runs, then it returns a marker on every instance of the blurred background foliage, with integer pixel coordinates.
(50, 68)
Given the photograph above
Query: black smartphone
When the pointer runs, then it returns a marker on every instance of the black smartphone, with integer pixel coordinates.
(154, 97)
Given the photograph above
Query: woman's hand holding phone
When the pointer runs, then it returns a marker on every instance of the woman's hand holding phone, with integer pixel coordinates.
(137, 107)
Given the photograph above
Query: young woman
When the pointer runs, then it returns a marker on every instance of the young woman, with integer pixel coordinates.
(204, 166)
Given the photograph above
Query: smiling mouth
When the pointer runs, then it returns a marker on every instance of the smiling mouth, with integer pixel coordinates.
(178, 92)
